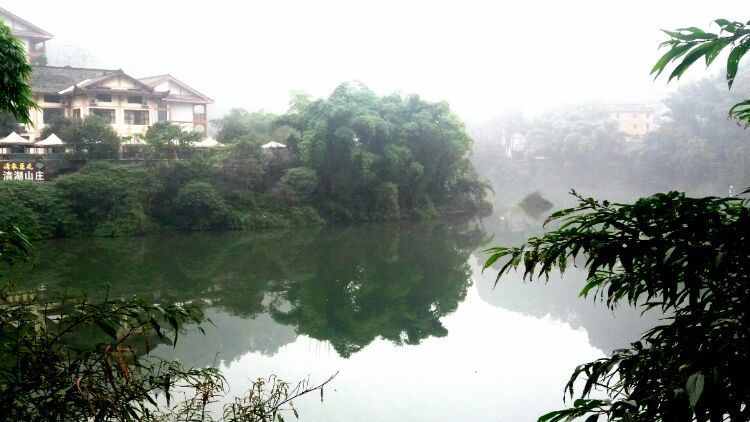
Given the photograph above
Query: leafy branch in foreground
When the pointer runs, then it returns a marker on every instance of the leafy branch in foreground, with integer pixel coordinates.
(686, 256)
(267, 400)
(82, 361)
(689, 45)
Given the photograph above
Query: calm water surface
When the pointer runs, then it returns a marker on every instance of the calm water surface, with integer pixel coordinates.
(404, 314)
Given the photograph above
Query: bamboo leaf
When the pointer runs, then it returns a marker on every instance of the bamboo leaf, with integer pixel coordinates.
(673, 54)
(695, 54)
(733, 61)
(694, 388)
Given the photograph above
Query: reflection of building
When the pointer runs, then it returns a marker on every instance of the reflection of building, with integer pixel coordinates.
(128, 104)
(634, 120)
(32, 36)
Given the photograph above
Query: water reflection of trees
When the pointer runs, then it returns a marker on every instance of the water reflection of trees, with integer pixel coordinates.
(347, 286)
(377, 281)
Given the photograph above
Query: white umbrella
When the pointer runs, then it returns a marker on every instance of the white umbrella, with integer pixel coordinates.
(15, 139)
(207, 143)
(273, 144)
(51, 141)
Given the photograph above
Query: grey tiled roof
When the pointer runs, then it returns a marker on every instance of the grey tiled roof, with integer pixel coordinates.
(49, 79)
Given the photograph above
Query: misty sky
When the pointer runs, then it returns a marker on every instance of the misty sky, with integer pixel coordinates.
(480, 56)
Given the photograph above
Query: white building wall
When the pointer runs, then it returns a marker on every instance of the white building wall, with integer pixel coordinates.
(179, 112)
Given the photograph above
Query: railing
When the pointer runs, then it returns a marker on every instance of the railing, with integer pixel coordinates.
(24, 156)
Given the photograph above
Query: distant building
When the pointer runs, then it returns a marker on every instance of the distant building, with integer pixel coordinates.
(129, 104)
(516, 145)
(33, 37)
(634, 120)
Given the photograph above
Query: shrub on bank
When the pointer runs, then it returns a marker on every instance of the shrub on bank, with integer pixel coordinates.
(110, 200)
(39, 208)
(199, 206)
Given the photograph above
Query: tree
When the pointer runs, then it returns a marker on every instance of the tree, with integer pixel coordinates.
(15, 73)
(200, 207)
(166, 138)
(356, 141)
(685, 256)
(240, 123)
(298, 184)
(91, 137)
(8, 123)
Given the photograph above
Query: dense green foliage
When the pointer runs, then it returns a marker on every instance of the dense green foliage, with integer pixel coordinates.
(15, 73)
(90, 138)
(47, 374)
(105, 199)
(167, 140)
(351, 157)
(684, 256)
(8, 124)
(358, 156)
(359, 144)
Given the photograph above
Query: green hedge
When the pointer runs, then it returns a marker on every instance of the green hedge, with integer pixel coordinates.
(105, 199)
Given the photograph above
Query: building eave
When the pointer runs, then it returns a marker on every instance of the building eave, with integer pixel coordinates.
(157, 79)
(37, 31)
(187, 100)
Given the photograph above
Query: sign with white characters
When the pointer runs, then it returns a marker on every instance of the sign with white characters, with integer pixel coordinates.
(20, 170)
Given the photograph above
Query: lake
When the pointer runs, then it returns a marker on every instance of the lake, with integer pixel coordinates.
(403, 313)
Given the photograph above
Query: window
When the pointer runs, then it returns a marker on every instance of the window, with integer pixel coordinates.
(52, 98)
(106, 114)
(136, 117)
(199, 109)
(105, 98)
(135, 99)
(77, 113)
(162, 115)
(51, 114)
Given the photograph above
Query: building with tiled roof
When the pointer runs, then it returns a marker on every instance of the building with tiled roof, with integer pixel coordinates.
(129, 104)
(33, 37)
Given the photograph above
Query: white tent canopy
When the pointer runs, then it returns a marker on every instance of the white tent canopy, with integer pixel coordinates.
(51, 141)
(273, 145)
(15, 139)
(207, 143)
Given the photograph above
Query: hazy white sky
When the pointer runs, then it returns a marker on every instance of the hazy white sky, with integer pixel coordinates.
(481, 56)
